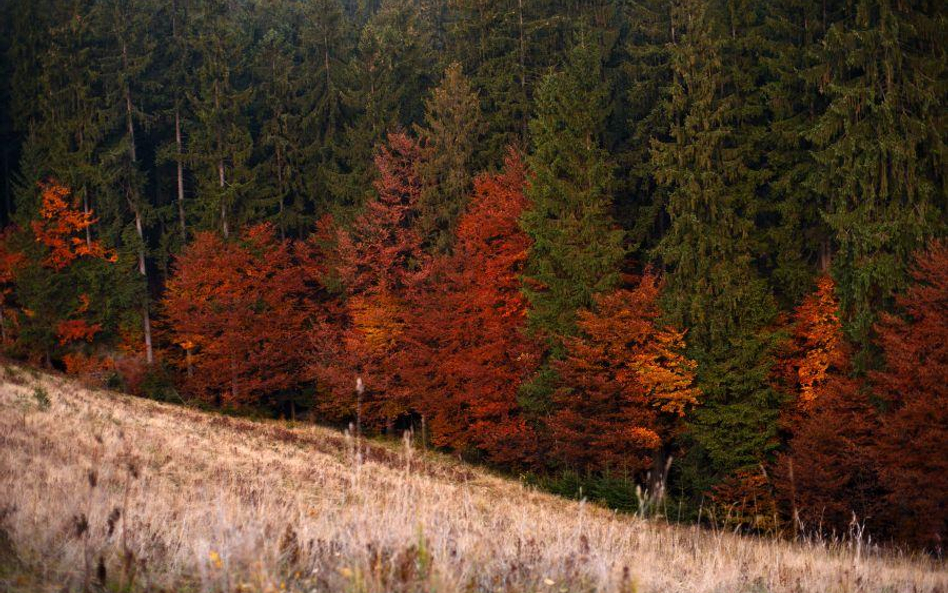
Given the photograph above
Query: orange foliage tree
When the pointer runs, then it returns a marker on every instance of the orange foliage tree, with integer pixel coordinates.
(64, 284)
(379, 259)
(826, 476)
(238, 313)
(624, 383)
(911, 445)
(466, 352)
(10, 261)
(816, 348)
(60, 226)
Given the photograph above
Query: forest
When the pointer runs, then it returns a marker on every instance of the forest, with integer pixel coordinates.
(685, 257)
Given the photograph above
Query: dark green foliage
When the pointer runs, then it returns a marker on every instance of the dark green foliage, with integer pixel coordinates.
(577, 248)
(880, 148)
(450, 135)
(714, 289)
(614, 490)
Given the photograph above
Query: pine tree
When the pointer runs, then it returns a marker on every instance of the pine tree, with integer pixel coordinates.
(794, 228)
(577, 251)
(880, 157)
(327, 47)
(449, 138)
(131, 54)
(713, 289)
(220, 141)
(393, 68)
(646, 67)
(279, 174)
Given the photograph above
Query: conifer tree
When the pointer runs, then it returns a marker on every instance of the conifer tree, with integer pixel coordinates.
(449, 138)
(880, 156)
(280, 173)
(131, 54)
(797, 235)
(713, 289)
(220, 141)
(327, 42)
(392, 70)
(576, 249)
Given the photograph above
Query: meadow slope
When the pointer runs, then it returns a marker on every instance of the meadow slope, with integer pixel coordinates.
(98, 487)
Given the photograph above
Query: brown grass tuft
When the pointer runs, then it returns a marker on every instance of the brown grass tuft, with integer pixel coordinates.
(107, 490)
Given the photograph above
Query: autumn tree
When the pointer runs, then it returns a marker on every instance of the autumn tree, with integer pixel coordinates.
(10, 260)
(467, 352)
(625, 384)
(70, 287)
(827, 476)
(911, 445)
(237, 315)
(815, 348)
(380, 257)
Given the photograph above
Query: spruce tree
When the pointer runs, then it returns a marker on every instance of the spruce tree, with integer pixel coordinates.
(220, 140)
(451, 133)
(880, 149)
(713, 289)
(577, 249)
(327, 41)
(280, 172)
(798, 236)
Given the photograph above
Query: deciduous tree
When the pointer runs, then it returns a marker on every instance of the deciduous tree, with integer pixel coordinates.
(911, 445)
(238, 314)
(467, 351)
(625, 384)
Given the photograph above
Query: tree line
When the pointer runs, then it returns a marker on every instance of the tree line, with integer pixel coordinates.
(694, 246)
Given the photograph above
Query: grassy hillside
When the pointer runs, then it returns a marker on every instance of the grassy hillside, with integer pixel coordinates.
(98, 487)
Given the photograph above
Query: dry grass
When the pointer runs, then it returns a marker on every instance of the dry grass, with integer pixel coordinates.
(96, 486)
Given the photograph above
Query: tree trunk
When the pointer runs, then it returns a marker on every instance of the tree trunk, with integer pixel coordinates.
(133, 202)
(282, 185)
(220, 164)
(180, 159)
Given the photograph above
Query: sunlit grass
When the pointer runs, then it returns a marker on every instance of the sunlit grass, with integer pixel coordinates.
(102, 489)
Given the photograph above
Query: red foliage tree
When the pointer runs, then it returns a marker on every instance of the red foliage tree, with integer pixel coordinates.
(816, 348)
(624, 382)
(10, 261)
(59, 228)
(911, 446)
(466, 350)
(239, 312)
(826, 476)
(379, 259)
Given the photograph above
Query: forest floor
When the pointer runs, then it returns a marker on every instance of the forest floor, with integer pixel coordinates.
(102, 491)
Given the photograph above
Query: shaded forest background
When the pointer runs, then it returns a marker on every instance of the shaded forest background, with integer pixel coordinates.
(682, 256)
